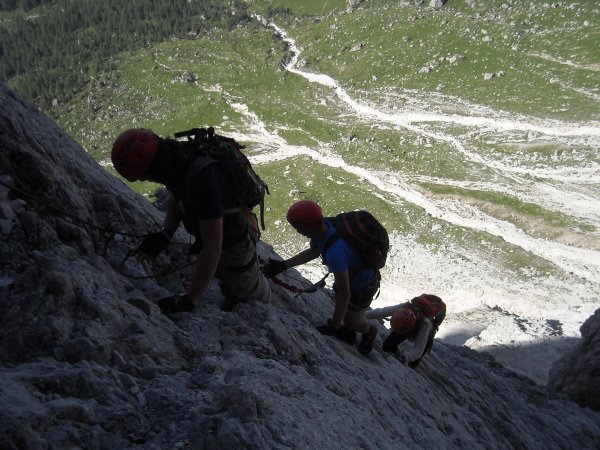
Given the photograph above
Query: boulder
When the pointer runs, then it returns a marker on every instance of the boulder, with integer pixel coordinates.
(578, 373)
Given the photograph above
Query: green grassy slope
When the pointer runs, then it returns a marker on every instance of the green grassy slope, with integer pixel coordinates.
(377, 54)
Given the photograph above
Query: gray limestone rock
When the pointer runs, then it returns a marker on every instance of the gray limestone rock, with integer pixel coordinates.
(352, 5)
(578, 373)
(89, 361)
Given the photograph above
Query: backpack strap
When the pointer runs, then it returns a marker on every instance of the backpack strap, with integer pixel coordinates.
(207, 137)
(197, 164)
(330, 241)
(194, 167)
(352, 271)
(430, 338)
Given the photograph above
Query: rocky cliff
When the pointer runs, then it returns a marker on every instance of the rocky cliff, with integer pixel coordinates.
(578, 373)
(89, 361)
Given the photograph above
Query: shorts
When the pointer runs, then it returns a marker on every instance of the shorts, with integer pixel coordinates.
(239, 273)
(362, 298)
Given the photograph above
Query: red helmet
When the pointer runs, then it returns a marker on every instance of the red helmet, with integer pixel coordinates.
(305, 215)
(133, 152)
(403, 321)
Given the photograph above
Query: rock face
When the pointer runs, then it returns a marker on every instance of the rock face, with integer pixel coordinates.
(89, 361)
(578, 374)
(437, 3)
(352, 5)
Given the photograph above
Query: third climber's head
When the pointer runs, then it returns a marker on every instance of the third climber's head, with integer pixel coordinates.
(403, 321)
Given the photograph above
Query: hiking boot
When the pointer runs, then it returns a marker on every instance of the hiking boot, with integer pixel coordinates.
(176, 303)
(230, 303)
(367, 341)
(345, 335)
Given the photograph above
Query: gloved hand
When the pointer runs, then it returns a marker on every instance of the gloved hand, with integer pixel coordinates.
(414, 364)
(175, 304)
(155, 243)
(273, 267)
(327, 329)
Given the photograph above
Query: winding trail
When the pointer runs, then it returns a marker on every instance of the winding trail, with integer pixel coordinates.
(584, 263)
(554, 128)
(407, 120)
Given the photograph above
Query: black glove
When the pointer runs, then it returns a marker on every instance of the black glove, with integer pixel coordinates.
(327, 329)
(273, 267)
(175, 304)
(414, 364)
(155, 243)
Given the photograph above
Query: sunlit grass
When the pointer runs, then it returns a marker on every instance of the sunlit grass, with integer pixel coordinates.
(377, 53)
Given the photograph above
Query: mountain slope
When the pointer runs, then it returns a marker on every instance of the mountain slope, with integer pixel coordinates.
(471, 131)
(88, 360)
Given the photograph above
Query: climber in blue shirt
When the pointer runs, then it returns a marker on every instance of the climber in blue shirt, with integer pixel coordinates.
(354, 284)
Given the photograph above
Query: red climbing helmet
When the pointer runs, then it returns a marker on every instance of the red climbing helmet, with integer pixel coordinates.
(133, 152)
(403, 321)
(305, 215)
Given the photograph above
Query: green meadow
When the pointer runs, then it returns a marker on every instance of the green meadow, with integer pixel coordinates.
(394, 57)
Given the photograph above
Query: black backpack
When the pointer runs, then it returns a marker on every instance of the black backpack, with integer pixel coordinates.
(247, 186)
(363, 232)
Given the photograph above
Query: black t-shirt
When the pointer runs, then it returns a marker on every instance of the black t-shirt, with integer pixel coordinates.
(210, 195)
